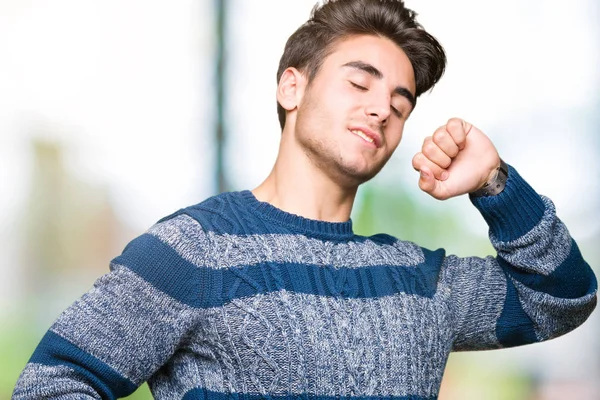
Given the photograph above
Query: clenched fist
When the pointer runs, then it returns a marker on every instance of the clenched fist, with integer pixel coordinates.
(457, 159)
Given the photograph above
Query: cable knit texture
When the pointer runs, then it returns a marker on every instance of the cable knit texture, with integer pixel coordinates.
(234, 298)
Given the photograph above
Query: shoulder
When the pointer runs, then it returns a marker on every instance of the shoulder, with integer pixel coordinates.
(183, 234)
(175, 253)
(190, 231)
(220, 214)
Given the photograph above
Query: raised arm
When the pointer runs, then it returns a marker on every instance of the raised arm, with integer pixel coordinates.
(537, 288)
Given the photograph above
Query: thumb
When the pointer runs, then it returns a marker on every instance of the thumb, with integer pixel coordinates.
(427, 180)
(466, 126)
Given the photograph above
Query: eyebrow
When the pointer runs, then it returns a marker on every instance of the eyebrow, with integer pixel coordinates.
(374, 72)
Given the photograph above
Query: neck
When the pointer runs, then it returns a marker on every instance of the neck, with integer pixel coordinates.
(297, 186)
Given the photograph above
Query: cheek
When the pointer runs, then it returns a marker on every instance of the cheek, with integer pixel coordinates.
(337, 109)
(331, 107)
(394, 135)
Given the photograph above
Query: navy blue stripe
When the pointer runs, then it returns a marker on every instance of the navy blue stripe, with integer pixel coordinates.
(160, 265)
(204, 394)
(54, 351)
(572, 279)
(215, 215)
(202, 287)
(514, 212)
(514, 327)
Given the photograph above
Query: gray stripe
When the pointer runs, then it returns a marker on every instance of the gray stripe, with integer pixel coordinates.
(542, 249)
(50, 383)
(478, 290)
(553, 316)
(290, 343)
(213, 250)
(126, 323)
(191, 371)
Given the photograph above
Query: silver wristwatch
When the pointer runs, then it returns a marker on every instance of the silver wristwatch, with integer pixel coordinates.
(496, 184)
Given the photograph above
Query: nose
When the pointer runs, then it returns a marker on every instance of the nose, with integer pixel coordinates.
(378, 110)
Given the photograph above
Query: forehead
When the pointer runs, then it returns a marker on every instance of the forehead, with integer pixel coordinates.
(380, 52)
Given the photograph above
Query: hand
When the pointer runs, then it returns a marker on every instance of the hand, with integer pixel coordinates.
(457, 159)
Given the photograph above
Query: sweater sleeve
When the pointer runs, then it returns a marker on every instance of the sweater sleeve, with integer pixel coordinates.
(538, 286)
(124, 329)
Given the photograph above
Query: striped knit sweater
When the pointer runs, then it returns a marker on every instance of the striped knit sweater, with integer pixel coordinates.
(234, 298)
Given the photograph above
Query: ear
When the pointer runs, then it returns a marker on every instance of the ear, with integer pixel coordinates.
(290, 88)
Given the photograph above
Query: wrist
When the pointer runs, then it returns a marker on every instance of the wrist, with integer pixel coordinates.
(495, 185)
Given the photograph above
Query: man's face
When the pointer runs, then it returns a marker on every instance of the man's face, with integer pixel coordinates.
(351, 117)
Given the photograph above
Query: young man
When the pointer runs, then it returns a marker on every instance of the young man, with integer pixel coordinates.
(270, 293)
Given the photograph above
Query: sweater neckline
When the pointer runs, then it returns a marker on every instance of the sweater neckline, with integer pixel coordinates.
(307, 226)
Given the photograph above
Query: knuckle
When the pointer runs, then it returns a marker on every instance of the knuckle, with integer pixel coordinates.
(439, 136)
(418, 159)
(429, 147)
(454, 122)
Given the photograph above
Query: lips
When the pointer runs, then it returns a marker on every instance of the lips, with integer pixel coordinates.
(367, 135)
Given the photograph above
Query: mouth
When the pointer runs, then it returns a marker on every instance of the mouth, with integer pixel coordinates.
(367, 135)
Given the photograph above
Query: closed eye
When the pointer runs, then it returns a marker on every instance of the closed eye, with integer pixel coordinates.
(362, 88)
(396, 112)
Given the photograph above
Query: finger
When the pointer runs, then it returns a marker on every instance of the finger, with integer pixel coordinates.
(458, 129)
(427, 181)
(445, 142)
(421, 162)
(435, 154)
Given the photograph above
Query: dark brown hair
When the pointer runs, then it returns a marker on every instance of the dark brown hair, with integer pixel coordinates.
(335, 20)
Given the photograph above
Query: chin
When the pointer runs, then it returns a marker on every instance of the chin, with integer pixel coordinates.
(355, 174)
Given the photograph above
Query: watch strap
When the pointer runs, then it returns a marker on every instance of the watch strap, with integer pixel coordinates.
(495, 185)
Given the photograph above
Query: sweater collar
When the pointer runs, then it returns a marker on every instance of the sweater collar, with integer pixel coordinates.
(306, 226)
